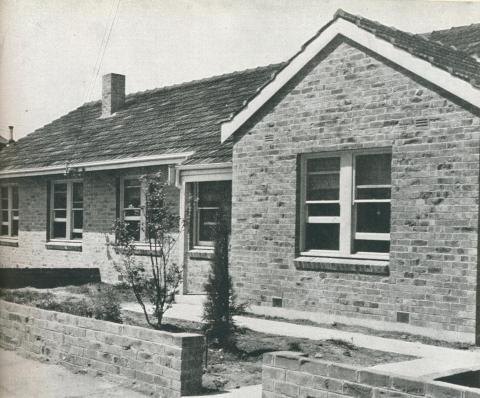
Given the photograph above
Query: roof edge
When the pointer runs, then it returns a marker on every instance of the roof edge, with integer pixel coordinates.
(113, 164)
(340, 26)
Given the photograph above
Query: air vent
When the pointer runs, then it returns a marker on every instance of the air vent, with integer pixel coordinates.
(403, 317)
(269, 138)
(421, 122)
(277, 302)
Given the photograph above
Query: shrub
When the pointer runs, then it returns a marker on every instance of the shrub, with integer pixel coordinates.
(157, 282)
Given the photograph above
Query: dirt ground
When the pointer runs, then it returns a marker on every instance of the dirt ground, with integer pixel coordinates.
(243, 367)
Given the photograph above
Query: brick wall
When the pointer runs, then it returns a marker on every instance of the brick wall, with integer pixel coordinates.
(158, 363)
(290, 374)
(349, 99)
(100, 211)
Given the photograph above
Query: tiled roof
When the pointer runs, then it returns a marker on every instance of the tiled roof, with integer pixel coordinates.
(457, 62)
(3, 141)
(464, 38)
(175, 119)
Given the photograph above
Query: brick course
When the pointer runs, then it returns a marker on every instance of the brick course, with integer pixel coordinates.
(349, 99)
(291, 374)
(158, 363)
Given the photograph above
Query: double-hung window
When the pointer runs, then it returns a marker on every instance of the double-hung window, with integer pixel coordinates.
(9, 211)
(132, 205)
(346, 205)
(66, 210)
(209, 197)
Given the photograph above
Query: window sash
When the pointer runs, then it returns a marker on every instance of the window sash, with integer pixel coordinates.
(125, 183)
(348, 203)
(70, 231)
(11, 211)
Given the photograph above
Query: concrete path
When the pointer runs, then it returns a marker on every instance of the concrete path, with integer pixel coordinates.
(26, 378)
(433, 361)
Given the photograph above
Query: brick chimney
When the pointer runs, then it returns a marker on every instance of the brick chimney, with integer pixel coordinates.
(113, 93)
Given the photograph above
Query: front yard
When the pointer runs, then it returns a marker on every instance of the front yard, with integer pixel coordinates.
(225, 369)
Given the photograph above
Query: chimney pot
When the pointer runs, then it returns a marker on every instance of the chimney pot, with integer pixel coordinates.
(113, 93)
(11, 134)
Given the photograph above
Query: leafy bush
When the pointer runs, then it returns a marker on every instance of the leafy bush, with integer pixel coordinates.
(106, 305)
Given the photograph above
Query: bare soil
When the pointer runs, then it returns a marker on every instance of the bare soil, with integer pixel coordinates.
(242, 366)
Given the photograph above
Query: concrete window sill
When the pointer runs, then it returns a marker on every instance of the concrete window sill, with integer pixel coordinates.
(201, 254)
(9, 242)
(345, 265)
(66, 246)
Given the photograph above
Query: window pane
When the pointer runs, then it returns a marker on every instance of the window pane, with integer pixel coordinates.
(60, 214)
(322, 237)
(133, 229)
(4, 230)
(212, 193)
(376, 246)
(77, 219)
(60, 196)
(131, 213)
(373, 217)
(15, 228)
(14, 197)
(373, 169)
(207, 224)
(4, 194)
(323, 186)
(323, 164)
(373, 193)
(4, 215)
(322, 210)
(77, 195)
(77, 235)
(59, 229)
(131, 192)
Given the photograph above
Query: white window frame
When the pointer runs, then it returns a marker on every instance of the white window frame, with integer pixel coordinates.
(199, 244)
(10, 209)
(69, 211)
(141, 217)
(347, 203)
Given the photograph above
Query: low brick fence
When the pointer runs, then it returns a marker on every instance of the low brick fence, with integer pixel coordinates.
(290, 374)
(158, 363)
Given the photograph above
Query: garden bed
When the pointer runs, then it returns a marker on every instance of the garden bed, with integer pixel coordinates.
(224, 370)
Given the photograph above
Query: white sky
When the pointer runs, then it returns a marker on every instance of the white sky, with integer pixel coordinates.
(49, 48)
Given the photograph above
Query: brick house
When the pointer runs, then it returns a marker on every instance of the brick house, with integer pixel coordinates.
(353, 170)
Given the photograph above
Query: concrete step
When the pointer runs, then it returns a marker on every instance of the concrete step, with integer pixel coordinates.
(192, 299)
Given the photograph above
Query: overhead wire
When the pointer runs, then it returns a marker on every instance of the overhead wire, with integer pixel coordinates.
(103, 48)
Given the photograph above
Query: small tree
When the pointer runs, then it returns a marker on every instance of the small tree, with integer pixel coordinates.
(157, 282)
(220, 304)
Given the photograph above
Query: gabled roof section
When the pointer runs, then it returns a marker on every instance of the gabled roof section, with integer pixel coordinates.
(463, 38)
(161, 123)
(3, 141)
(447, 67)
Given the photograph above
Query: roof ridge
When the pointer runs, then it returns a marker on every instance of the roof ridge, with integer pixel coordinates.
(206, 79)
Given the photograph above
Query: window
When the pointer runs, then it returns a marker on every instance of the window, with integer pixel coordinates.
(208, 197)
(66, 210)
(132, 203)
(9, 211)
(346, 201)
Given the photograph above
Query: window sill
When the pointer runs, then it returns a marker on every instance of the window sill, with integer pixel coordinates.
(67, 245)
(345, 265)
(11, 242)
(201, 253)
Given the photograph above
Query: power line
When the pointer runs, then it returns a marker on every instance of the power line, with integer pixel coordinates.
(103, 48)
